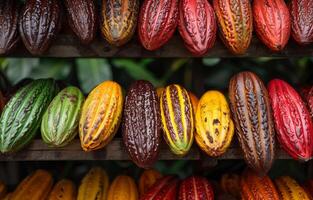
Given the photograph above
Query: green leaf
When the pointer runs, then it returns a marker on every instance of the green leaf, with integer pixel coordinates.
(55, 68)
(211, 61)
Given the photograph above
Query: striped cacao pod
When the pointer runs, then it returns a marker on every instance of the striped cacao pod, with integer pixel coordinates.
(195, 188)
(22, 115)
(308, 187)
(289, 189)
(230, 184)
(34, 187)
(301, 12)
(294, 126)
(272, 23)
(63, 190)
(82, 18)
(147, 180)
(253, 119)
(101, 115)
(235, 23)
(123, 187)
(197, 25)
(177, 119)
(39, 23)
(157, 22)
(142, 123)
(60, 122)
(215, 128)
(9, 15)
(3, 190)
(94, 185)
(119, 20)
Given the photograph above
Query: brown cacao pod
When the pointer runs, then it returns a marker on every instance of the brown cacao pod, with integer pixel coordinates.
(308, 187)
(147, 179)
(230, 184)
(294, 126)
(197, 25)
(289, 189)
(272, 23)
(82, 18)
(195, 188)
(9, 14)
(252, 114)
(39, 23)
(3, 190)
(63, 190)
(157, 22)
(142, 124)
(235, 23)
(123, 187)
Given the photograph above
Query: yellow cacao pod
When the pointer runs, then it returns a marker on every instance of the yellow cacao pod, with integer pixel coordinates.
(289, 189)
(3, 190)
(36, 186)
(230, 184)
(94, 185)
(123, 187)
(147, 179)
(63, 190)
(101, 115)
(215, 128)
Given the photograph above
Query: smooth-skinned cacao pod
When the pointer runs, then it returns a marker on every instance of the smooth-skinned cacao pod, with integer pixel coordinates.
(230, 184)
(289, 189)
(39, 23)
(293, 124)
(3, 190)
(308, 187)
(157, 22)
(101, 115)
(63, 190)
(141, 125)
(147, 180)
(235, 23)
(177, 119)
(123, 187)
(215, 128)
(253, 119)
(195, 188)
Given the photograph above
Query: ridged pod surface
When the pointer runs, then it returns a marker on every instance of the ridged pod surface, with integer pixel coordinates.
(9, 15)
(147, 180)
(235, 23)
(253, 119)
(309, 101)
(21, 117)
(94, 185)
(101, 115)
(272, 23)
(119, 20)
(39, 23)
(308, 187)
(289, 189)
(82, 18)
(294, 126)
(177, 119)
(215, 128)
(142, 124)
(3, 190)
(230, 184)
(34, 187)
(197, 25)
(195, 188)
(63, 190)
(123, 187)
(157, 22)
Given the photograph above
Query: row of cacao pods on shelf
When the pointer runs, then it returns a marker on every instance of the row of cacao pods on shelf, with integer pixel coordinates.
(39, 21)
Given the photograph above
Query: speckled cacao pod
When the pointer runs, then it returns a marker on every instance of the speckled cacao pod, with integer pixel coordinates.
(123, 187)
(3, 190)
(177, 119)
(294, 126)
(195, 188)
(235, 23)
(253, 119)
(147, 180)
(82, 18)
(272, 23)
(157, 22)
(230, 184)
(308, 187)
(289, 189)
(39, 23)
(197, 25)
(142, 124)
(63, 190)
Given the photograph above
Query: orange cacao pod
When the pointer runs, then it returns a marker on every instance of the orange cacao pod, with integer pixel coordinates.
(147, 179)
(123, 187)
(63, 190)
(289, 189)
(230, 184)
(195, 188)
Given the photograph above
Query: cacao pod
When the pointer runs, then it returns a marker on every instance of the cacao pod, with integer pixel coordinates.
(309, 100)
(177, 119)
(82, 18)
(22, 115)
(101, 115)
(230, 184)
(308, 187)
(39, 23)
(147, 179)
(215, 128)
(253, 119)
(63, 190)
(194, 188)
(289, 189)
(301, 12)
(94, 185)
(272, 23)
(123, 187)
(3, 190)
(194, 102)
(292, 119)
(9, 14)
(34, 187)
(157, 22)
(235, 23)
(142, 124)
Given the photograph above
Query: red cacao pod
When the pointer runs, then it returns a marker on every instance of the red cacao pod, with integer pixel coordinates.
(194, 188)
(292, 119)
(252, 114)
(272, 23)
(197, 25)
(309, 101)
(157, 22)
